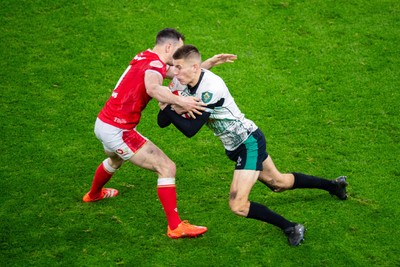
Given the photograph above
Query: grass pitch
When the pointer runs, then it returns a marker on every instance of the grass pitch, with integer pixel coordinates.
(320, 78)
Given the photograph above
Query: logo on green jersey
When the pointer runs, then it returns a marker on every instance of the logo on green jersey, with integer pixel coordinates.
(206, 97)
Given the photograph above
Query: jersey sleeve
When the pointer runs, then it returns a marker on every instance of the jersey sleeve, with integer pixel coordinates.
(212, 92)
(189, 127)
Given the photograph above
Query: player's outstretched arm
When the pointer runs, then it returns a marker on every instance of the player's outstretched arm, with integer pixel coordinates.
(218, 60)
(209, 63)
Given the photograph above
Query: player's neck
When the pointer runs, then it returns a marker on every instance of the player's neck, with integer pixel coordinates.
(159, 51)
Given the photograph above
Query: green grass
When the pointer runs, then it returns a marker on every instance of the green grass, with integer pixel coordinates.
(320, 78)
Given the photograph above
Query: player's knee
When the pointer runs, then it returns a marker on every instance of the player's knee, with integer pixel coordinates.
(239, 210)
(116, 163)
(270, 183)
(114, 160)
(167, 168)
(277, 184)
(283, 185)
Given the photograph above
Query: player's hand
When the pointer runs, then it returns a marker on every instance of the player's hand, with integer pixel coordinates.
(191, 105)
(222, 58)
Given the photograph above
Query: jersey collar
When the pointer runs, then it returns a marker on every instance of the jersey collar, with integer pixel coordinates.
(194, 88)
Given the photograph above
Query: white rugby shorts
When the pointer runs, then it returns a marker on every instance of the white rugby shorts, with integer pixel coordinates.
(124, 143)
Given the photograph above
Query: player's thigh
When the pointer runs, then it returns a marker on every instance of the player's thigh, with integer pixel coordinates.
(123, 143)
(242, 183)
(150, 157)
(269, 171)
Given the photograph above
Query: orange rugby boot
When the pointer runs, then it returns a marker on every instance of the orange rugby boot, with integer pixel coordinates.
(105, 193)
(185, 229)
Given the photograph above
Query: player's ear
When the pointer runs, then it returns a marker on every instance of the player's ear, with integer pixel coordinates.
(196, 66)
(168, 47)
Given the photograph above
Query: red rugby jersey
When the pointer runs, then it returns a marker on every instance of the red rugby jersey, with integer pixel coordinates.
(124, 108)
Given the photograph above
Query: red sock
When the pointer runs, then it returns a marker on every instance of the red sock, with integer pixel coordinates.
(167, 194)
(101, 177)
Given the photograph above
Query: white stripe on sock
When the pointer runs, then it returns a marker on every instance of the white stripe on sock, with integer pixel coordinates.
(108, 167)
(165, 181)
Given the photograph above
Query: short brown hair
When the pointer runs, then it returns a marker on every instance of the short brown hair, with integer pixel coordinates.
(187, 51)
